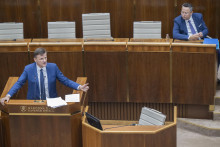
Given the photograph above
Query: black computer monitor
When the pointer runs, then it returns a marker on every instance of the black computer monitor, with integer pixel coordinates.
(93, 121)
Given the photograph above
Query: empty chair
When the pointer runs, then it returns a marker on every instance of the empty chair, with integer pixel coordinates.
(11, 31)
(147, 29)
(61, 29)
(96, 25)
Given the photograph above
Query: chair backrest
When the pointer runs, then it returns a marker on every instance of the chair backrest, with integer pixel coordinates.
(11, 30)
(96, 25)
(61, 29)
(147, 29)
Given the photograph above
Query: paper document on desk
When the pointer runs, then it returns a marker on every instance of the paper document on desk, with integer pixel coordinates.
(55, 102)
(72, 98)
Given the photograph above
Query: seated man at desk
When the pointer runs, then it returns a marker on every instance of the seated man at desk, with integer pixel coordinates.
(41, 77)
(189, 25)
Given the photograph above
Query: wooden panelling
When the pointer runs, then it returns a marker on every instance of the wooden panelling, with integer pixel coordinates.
(44, 128)
(9, 11)
(28, 13)
(88, 140)
(121, 15)
(157, 10)
(132, 111)
(36, 13)
(5, 127)
(193, 74)
(146, 136)
(127, 111)
(1, 132)
(106, 72)
(67, 56)
(13, 59)
(59, 10)
(25, 11)
(147, 83)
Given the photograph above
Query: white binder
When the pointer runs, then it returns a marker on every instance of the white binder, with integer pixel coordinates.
(151, 117)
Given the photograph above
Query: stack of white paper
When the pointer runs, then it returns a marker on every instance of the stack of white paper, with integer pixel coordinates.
(55, 102)
(72, 98)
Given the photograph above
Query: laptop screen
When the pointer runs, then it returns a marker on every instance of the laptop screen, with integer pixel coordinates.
(93, 121)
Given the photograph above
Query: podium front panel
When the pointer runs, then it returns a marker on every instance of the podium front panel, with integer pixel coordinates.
(26, 123)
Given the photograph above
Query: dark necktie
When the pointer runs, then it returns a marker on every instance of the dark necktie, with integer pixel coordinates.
(42, 86)
(191, 28)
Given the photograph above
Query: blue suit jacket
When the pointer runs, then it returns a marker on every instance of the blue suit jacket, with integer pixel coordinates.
(180, 29)
(30, 74)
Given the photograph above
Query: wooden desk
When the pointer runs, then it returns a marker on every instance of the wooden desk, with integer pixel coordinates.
(26, 122)
(16, 41)
(116, 134)
(57, 40)
(106, 40)
(188, 41)
(194, 77)
(147, 40)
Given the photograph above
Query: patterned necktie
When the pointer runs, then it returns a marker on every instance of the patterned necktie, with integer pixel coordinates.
(42, 86)
(191, 28)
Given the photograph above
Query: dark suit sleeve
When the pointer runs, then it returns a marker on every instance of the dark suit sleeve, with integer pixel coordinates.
(176, 32)
(64, 80)
(22, 79)
(202, 27)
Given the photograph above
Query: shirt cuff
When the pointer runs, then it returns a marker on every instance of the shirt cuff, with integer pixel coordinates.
(189, 37)
(8, 95)
(78, 87)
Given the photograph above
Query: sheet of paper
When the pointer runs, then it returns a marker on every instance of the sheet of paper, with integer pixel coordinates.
(55, 102)
(72, 98)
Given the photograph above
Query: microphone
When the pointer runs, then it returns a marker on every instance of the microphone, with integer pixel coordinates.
(44, 89)
(209, 37)
(120, 126)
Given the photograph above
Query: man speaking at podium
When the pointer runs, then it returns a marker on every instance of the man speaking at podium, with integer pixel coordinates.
(189, 25)
(41, 78)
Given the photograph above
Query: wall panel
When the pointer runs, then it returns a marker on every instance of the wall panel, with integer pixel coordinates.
(156, 10)
(36, 13)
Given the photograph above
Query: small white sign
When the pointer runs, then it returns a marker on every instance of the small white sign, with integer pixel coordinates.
(72, 98)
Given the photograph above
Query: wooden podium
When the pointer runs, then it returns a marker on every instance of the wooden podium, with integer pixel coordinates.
(118, 133)
(28, 123)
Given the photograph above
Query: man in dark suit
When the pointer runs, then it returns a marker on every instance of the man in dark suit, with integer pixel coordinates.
(189, 25)
(41, 77)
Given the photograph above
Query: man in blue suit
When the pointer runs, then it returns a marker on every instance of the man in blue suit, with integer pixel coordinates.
(41, 77)
(189, 25)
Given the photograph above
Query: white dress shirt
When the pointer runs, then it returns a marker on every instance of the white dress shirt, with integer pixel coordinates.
(45, 79)
(188, 27)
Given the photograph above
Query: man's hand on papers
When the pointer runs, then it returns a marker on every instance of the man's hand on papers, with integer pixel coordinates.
(84, 87)
(7, 98)
(200, 34)
(194, 37)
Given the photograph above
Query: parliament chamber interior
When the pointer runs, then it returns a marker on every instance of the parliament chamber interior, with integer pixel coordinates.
(136, 70)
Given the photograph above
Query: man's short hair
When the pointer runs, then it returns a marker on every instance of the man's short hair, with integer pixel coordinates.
(188, 5)
(39, 51)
